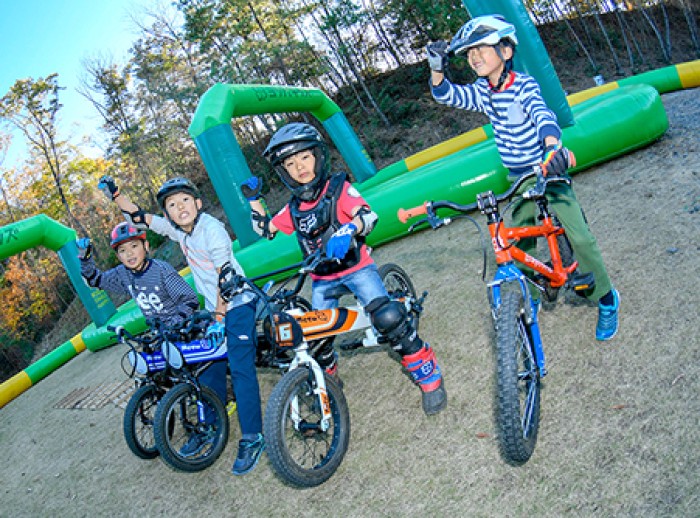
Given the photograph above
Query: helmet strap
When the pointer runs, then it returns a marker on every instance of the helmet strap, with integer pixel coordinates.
(507, 67)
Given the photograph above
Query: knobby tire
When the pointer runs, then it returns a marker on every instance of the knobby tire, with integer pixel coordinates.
(305, 458)
(176, 419)
(518, 382)
(139, 416)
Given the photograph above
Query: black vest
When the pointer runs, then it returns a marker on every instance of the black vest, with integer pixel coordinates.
(315, 226)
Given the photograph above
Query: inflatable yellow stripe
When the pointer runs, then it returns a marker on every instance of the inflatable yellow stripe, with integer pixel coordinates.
(446, 148)
(78, 343)
(689, 73)
(13, 387)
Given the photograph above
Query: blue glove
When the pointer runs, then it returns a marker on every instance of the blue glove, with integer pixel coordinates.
(339, 243)
(251, 188)
(84, 248)
(556, 160)
(108, 187)
(437, 55)
(215, 334)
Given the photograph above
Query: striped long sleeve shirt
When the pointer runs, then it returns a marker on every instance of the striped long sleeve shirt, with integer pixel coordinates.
(518, 115)
(159, 291)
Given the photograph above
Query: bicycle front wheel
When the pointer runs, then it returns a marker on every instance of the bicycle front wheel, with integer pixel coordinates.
(139, 416)
(301, 453)
(518, 382)
(184, 441)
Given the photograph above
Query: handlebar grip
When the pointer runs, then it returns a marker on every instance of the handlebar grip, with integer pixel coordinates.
(405, 214)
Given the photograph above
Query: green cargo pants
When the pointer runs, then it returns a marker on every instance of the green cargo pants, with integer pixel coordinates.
(563, 202)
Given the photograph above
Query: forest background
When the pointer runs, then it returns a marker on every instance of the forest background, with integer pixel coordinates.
(367, 55)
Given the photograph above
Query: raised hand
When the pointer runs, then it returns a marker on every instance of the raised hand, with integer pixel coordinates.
(108, 187)
(437, 55)
(251, 188)
(84, 248)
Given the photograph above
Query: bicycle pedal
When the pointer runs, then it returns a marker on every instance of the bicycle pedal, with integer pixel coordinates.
(582, 281)
(351, 346)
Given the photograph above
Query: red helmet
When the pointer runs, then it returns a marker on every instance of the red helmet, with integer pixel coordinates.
(125, 232)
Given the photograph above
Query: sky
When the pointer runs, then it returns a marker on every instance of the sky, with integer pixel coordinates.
(40, 37)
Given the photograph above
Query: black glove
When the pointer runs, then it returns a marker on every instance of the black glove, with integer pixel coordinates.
(230, 283)
(108, 187)
(437, 55)
(251, 188)
(556, 160)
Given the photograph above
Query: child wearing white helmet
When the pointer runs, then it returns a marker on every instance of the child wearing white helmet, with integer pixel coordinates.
(526, 134)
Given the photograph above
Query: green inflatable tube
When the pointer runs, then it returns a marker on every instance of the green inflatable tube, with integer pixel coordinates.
(617, 122)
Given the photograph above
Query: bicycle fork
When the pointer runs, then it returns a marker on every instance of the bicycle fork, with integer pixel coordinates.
(509, 274)
(302, 358)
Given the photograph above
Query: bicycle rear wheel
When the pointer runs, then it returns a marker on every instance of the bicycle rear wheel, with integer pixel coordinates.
(399, 286)
(300, 452)
(518, 382)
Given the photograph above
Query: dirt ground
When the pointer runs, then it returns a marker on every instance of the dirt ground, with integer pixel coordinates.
(619, 433)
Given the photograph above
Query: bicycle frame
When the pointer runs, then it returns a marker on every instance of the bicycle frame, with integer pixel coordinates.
(504, 239)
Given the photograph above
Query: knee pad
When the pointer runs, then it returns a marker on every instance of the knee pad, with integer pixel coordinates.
(390, 319)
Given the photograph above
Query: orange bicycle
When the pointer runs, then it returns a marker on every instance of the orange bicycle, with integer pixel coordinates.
(520, 359)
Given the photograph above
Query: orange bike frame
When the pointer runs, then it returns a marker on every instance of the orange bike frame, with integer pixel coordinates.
(504, 240)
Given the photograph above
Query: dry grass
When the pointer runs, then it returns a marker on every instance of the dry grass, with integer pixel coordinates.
(619, 430)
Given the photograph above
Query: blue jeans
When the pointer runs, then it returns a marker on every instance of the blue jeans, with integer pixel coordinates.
(365, 284)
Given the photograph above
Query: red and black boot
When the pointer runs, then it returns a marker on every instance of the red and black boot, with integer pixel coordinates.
(425, 372)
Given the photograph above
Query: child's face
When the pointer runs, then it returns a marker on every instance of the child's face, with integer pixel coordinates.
(301, 166)
(132, 254)
(486, 62)
(182, 209)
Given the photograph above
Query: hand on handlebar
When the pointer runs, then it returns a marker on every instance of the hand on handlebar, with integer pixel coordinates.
(556, 160)
(339, 243)
(215, 334)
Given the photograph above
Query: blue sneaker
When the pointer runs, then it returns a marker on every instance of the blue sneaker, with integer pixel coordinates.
(249, 452)
(195, 444)
(607, 319)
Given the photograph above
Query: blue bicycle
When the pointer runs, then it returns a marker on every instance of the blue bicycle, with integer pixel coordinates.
(520, 358)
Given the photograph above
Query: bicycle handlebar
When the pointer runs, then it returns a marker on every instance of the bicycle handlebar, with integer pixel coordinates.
(429, 207)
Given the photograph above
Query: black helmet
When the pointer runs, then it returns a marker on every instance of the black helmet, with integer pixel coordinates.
(175, 185)
(123, 233)
(291, 139)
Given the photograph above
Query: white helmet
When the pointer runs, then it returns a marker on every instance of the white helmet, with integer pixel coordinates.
(483, 30)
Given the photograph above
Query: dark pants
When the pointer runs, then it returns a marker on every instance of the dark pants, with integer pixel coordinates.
(240, 339)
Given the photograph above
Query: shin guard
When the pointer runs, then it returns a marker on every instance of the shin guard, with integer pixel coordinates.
(423, 368)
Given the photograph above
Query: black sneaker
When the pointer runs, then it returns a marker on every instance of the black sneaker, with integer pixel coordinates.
(248, 455)
(435, 401)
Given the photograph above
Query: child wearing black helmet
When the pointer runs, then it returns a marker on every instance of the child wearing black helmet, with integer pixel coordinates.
(207, 248)
(526, 134)
(329, 214)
